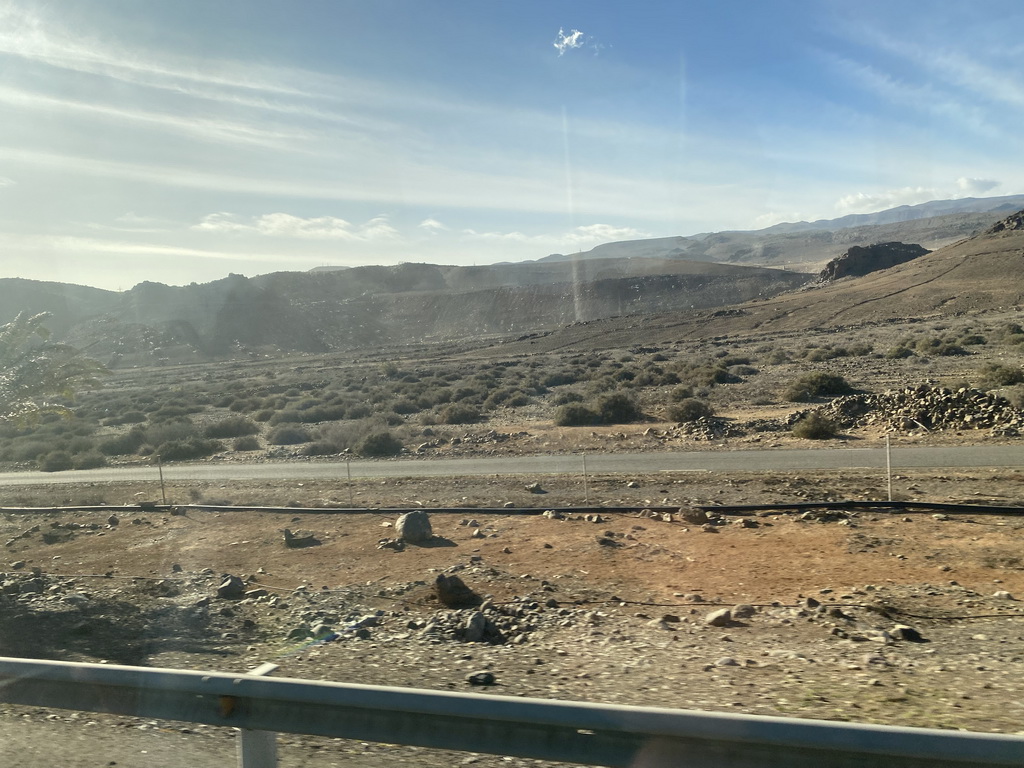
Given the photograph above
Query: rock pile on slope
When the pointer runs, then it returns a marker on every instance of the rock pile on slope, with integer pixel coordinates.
(1014, 221)
(928, 408)
(861, 260)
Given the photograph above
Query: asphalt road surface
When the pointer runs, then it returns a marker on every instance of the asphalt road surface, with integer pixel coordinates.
(612, 463)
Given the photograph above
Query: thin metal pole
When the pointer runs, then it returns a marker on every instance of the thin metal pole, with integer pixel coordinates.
(160, 468)
(586, 486)
(888, 464)
(348, 468)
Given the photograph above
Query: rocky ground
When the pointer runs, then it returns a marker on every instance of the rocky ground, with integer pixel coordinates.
(877, 616)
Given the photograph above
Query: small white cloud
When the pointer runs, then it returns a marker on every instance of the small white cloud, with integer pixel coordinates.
(862, 202)
(6, 181)
(604, 233)
(433, 226)
(971, 187)
(772, 218)
(287, 225)
(564, 42)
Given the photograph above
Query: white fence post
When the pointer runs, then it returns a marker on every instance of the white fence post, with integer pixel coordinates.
(258, 749)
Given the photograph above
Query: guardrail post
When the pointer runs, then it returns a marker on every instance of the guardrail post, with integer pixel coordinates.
(258, 749)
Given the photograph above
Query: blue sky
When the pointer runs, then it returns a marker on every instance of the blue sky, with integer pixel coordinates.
(184, 141)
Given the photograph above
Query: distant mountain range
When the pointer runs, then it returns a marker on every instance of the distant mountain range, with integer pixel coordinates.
(377, 307)
(808, 245)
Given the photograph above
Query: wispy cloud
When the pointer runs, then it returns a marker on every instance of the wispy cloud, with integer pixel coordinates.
(7, 182)
(26, 34)
(566, 42)
(285, 225)
(865, 202)
(205, 128)
(583, 236)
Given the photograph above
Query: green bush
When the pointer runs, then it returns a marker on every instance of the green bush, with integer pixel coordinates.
(56, 461)
(1015, 395)
(124, 444)
(90, 460)
(576, 415)
(690, 409)
(618, 408)
(459, 413)
(288, 435)
(994, 375)
(819, 384)
(380, 444)
(681, 393)
(564, 398)
(246, 443)
(232, 426)
(184, 450)
(815, 426)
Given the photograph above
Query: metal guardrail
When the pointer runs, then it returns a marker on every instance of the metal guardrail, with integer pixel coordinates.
(595, 734)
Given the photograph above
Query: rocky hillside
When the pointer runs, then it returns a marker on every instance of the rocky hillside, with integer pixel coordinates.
(375, 306)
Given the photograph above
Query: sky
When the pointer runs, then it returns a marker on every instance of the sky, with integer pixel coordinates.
(181, 142)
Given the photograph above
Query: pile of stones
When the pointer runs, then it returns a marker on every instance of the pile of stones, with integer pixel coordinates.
(926, 408)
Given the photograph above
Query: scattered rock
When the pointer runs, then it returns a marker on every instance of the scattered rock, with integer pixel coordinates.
(299, 539)
(453, 592)
(906, 633)
(720, 618)
(231, 588)
(414, 527)
(481, 678)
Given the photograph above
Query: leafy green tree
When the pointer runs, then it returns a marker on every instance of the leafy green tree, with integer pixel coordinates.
(36, 374)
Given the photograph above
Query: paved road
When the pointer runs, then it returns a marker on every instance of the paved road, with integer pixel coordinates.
(696, 461)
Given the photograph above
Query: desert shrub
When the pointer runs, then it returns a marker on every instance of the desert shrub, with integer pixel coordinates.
(778, 357)
(564, 398)
(818, 384)
(731, 360)
(690, 409)
(994, 375)
(818, 355)
(379, 444)
(405, 406)
(287, 434)
(618, 408)
(559, 379)
(80, 444)
(742, 370)
(681, 393)
(265, 415)
(460, 413)
(246, 443)
(1015, 395)
(576, 415)
(232, 426)
(972, 340)
(938, 347)
(124, 444)
(56, 461)
(601, 384)
(184, 450)
(286, 416)
(815, 426)
(174, 412)
(90, 460)
(179, 430)
(128, 417)
(899, 352)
